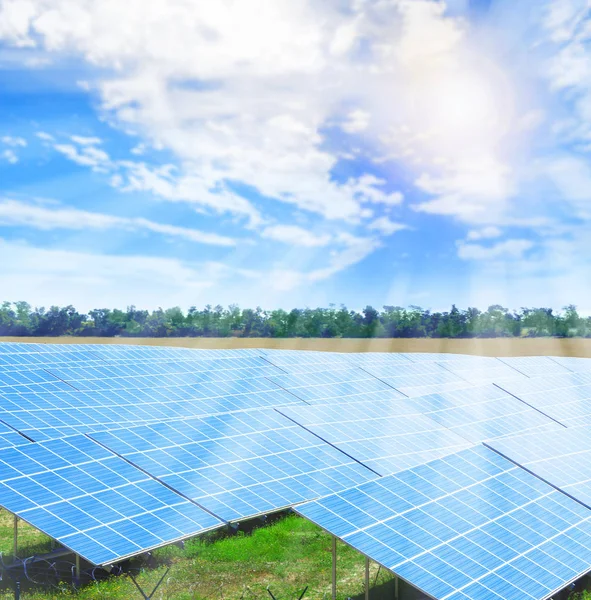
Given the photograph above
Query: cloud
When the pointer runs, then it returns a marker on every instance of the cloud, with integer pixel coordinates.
(46, 137)
(86, 280)
(87, 156)
(9, 156)
(486, 233)
(353, 250)
(14, 142)
(21, 214)
(385, 226)
(246, 97)
(295, 236)
(86, 141)
(357, 121)
(506, 250)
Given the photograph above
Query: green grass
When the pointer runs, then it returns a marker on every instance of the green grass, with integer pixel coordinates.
(287, 556)
(30, 540)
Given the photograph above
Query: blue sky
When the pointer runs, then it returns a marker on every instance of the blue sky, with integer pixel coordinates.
(175, 152)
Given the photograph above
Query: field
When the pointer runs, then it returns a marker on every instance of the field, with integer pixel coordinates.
(285, 556)
(485, 346)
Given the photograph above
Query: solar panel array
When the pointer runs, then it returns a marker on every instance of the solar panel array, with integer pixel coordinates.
(94, 502)
(237, 465)
(471, 525)
(467, 476)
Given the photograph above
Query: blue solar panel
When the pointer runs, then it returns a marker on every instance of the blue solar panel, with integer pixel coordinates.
(469, 526)
(551, 382)
(294, 359)
(9, 437)
(94, 502)
(238, 465)
(534, 366)
(31, 380)
(576, 365)
(482, 370)
(563, 397)
(151, 375)
(561, 458)
(483, 412)
(46, 415)
(386, 436)
(336, 386)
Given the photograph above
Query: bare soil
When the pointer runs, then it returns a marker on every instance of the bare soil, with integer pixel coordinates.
(484, 347)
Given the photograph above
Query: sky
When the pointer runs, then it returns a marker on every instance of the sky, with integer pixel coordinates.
(292, 153)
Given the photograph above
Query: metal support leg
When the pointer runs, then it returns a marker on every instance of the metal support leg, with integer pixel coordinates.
(15, 541)
(334, 568)
(77, 569)
(395, 587)
(367, 579)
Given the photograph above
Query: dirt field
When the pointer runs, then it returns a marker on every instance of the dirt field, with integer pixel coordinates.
(484, 347)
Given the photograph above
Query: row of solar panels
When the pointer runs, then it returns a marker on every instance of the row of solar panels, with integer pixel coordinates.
(236, 465)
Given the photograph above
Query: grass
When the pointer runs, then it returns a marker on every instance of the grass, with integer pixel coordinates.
(286, 555)
(485, 347)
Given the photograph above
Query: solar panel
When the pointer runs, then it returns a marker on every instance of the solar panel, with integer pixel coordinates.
(435, 356)
(561, 458)
(485, 370)
(302, 358)
(568, 404)
(551, 382)
(93, 502)
(238, 465)
(471, 525)
(534, 366)
(9, 437)
(34, 380)
(483, 412)
(44, 416)
(577, 365)
(386, 436)
(145, 376)
(340, 385)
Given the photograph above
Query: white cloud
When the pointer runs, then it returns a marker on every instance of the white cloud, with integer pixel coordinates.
(14, 142)
(9, 156)
(486, 233)
(506, 250)
(367, 190)
(46, 137)
(15, 213)
(244, 93)
(385, 226)
(294, 235)
(357, 121)
(87, 280)
(87, 156)
(86, 141)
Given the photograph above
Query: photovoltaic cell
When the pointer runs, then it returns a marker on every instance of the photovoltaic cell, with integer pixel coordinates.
(484, 370)
(563, 397)
(238, 465)
(336, 386)
(576, 365)
(469, 526)
(562, 458)
(94, 502)
(534, 366)
(386, 436)
(44, 416)
(483, 412)
(33, 380)
(9, 437)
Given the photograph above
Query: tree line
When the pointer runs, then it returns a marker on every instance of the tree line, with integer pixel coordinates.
(21, 319)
